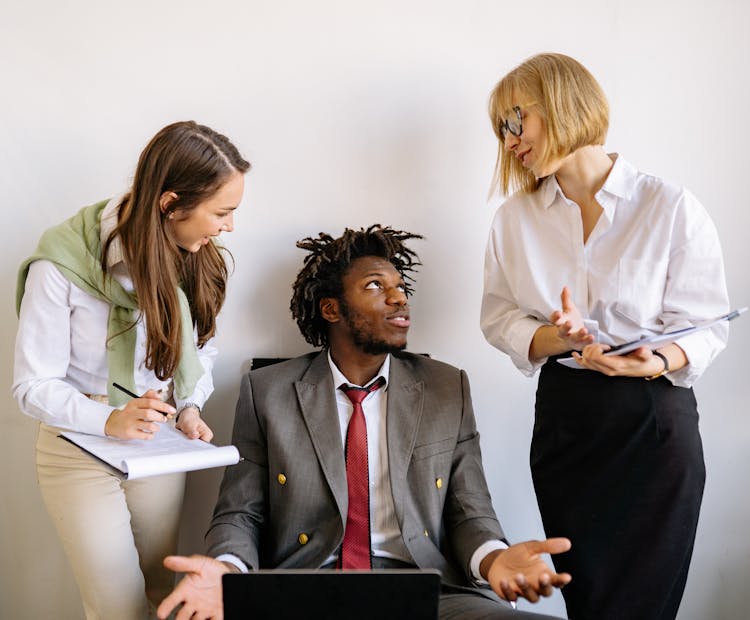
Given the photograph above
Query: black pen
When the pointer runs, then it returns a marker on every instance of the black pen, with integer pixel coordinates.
(125, 390)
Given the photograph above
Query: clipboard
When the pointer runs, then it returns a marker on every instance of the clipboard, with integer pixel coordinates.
(658, 339)
(168, 452)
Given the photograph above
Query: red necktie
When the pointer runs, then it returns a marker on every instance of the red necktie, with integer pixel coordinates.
(355, 550)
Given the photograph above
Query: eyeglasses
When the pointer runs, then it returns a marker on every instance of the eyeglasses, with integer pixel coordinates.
(512, 125)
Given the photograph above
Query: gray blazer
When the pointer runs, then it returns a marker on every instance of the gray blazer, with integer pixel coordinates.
(285, 505)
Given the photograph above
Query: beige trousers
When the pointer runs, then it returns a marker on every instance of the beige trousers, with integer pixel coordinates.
(115, 532)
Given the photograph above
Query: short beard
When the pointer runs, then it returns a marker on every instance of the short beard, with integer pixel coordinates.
(362, 339)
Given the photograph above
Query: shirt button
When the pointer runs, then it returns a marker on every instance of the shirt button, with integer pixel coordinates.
(282, 479)
(439, 483)
(302, 538)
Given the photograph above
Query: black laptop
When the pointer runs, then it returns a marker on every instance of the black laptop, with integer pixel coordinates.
(332, 595)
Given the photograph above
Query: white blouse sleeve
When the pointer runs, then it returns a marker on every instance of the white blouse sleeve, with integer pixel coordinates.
(205, 385)
(42, 356)
(504, 324)
(696, 289)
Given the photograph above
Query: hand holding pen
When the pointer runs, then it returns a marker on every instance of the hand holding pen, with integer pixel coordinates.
(189, 420)
(139, 418)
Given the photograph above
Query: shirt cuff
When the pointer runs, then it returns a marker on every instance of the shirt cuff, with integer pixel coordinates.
(700, 349)
(592, 327)
(482, 551)
(180, 403)
(93, 422)
(519, 340)
(233, 559)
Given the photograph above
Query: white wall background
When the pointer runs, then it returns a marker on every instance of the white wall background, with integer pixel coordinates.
(354, 113)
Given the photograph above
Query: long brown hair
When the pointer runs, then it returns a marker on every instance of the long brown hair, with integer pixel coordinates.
(193, 161)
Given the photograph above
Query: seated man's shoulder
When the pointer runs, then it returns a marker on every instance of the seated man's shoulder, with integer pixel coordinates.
(423, 363)
(271, 370)
(267, 368)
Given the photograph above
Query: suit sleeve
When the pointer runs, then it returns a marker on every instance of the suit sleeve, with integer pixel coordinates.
(469, 516)
(241, 508)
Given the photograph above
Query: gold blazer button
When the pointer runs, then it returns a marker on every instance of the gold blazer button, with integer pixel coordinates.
(439, 483)
(281, 478)
(303, 538)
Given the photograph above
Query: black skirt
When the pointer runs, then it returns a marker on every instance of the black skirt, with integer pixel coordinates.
(617, 464)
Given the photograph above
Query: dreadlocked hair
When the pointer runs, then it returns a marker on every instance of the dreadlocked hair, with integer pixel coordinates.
(327, 262)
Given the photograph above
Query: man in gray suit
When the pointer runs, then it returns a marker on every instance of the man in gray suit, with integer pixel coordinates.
(293, 502)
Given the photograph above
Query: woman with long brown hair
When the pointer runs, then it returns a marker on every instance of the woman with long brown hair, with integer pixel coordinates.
(127, 291)
(588, 254)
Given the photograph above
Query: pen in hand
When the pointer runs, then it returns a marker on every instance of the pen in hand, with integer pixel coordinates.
(125, 390)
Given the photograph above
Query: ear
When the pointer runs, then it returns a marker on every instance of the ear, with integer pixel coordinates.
(329, 309)
(166, 199)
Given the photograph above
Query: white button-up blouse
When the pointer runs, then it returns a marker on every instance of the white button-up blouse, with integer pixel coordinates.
(652, 264)
(61, 351)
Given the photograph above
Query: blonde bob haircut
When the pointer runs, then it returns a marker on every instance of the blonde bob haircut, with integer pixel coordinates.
(571, 103)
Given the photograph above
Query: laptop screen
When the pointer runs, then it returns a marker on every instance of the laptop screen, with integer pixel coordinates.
(331, 595)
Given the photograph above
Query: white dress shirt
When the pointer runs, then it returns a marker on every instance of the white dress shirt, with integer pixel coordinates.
(385, 534)
(61, 351)
(652, 264)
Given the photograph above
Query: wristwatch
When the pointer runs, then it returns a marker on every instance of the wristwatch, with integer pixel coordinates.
(664, 370)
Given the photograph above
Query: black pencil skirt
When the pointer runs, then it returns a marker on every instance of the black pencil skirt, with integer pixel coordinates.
(618, 468)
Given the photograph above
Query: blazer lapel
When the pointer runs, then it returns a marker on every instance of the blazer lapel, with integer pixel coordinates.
(405, 404)
(318, 407)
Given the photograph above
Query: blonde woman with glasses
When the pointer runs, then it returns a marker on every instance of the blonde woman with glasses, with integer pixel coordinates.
(587, 254)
